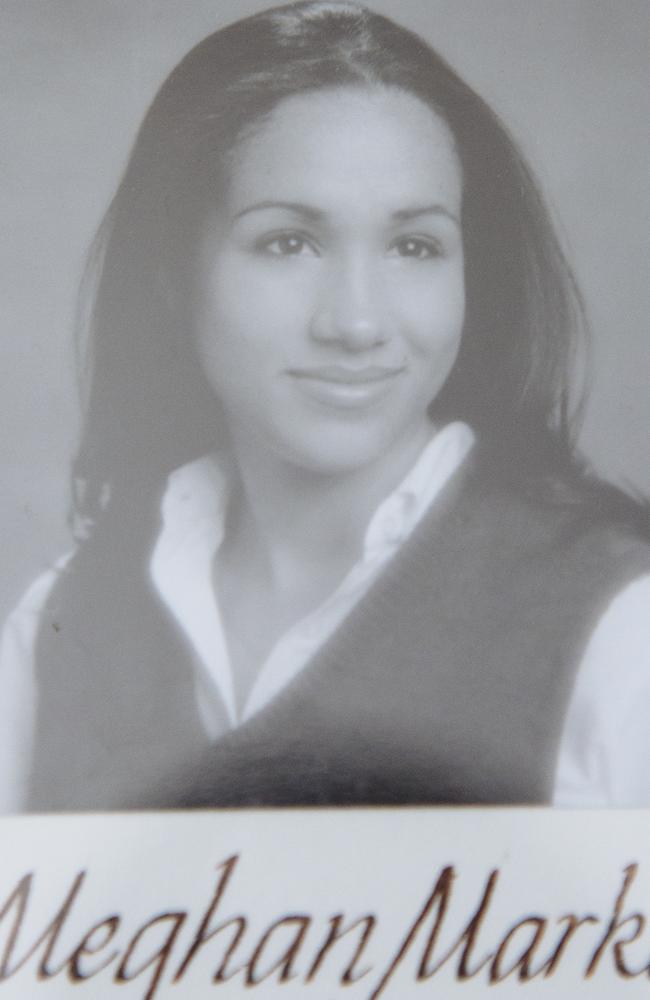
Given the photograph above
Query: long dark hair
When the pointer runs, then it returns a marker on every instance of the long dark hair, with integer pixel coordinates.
(148, 407)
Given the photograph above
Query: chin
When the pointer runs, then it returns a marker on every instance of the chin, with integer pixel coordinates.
(339, 453)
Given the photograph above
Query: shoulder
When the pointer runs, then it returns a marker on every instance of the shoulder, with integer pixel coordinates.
(552, 557)
(21, 628)
(18, 685)
(22, 624)
(617, 656)
(606, 735)
(571, 510)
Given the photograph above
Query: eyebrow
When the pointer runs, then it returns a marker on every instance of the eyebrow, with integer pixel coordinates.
(315, 214)
(406, 214)
(307, 211)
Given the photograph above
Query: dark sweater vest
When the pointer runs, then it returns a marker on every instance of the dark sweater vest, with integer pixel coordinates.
(448, 682)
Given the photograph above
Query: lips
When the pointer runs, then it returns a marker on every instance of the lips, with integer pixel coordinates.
(341, 375)
(339, 387)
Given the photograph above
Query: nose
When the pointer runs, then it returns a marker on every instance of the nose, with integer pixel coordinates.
(349, 313)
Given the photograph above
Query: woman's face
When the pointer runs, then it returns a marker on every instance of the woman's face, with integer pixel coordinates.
(331, 279)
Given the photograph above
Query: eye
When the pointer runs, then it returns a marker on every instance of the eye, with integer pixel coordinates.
(287, 244)
(417, 247)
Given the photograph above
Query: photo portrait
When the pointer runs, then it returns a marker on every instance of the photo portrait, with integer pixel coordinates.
(325, 409)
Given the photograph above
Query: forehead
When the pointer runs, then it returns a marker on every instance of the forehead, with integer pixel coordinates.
(346, 148)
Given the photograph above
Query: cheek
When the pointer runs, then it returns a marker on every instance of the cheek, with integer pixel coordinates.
(249, 309)
(247, 332)
(436, 314)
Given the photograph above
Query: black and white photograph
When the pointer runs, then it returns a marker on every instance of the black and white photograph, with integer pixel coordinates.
(325, 409)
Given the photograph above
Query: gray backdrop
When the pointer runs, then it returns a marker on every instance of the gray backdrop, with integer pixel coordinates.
(570, 77)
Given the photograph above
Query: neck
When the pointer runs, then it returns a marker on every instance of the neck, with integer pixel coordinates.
(287, 516)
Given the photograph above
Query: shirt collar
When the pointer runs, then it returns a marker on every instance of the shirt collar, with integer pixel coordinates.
(194, 502)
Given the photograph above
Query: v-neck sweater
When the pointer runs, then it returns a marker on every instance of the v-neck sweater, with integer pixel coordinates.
(448, 682)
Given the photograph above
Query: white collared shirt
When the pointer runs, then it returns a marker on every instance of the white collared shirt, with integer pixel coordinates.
(606, 736)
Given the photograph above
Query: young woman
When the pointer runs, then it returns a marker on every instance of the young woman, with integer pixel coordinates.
(336, 546)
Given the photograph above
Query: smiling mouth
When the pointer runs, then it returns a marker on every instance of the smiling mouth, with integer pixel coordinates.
(344, 389)
(340, 375)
